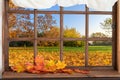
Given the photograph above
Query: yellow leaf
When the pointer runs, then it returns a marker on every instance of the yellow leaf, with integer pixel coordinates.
(50, 63)
(18, 68)
(60, 65)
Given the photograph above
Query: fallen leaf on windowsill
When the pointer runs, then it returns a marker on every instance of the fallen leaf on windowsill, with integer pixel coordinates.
(81, 71)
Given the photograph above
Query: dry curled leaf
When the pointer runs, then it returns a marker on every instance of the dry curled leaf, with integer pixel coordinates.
(69, 71)
(81, 71)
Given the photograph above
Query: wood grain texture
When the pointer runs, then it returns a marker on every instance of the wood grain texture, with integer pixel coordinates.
(100, 74)
(6, 33)
(118, 35)
(114, 36)
(3, 24)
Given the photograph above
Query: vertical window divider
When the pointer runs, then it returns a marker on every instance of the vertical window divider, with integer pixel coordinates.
(6, 33)
(61, 33)
(35, 32)
(86, 34)
(114, 38)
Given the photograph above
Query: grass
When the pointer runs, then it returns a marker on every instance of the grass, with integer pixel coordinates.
(101, 48)
(68, 49)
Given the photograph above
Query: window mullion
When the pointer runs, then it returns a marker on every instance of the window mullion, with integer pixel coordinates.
(35, 33)
(6, 36)
(61, 34)
(86, 34)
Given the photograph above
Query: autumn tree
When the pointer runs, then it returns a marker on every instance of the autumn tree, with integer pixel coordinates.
(100, 35)
(45, 22)
(47, 29)
(11, 5)
(20, 25)
(106, 26)
(72, 33)
(54, 32)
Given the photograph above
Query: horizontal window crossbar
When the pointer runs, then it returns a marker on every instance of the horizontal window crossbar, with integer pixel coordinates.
(57, 39)
(58, 12)
(92, 67)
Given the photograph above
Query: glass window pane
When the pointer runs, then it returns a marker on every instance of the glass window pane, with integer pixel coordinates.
(21, 25)
(49, 49)
(74, 26)
(74, 53)
(91, 9)
(100, 26)
(20, 53)
(100, 53)
(75, 8)
(48, 25)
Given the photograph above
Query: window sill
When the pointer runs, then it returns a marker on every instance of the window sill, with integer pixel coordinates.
(97, 74)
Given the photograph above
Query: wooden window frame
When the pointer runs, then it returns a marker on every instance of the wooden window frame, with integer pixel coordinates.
(6, 38)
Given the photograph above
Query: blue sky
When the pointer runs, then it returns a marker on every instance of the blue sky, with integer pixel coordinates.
(78, 20)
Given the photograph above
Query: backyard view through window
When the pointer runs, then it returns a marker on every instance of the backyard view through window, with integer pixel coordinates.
(76, 35)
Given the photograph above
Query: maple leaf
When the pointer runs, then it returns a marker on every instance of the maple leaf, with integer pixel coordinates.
(29, 66)
(18, 68)
(60, 65)
(38, 67)
(50, 63)
(39, 60)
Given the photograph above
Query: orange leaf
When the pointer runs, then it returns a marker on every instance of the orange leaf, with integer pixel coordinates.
(39, 68)
(29, 66)
(35, 71)
(39, 60)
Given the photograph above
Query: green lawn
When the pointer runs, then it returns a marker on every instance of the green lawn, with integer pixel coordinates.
(101, 48)
(68, 49)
